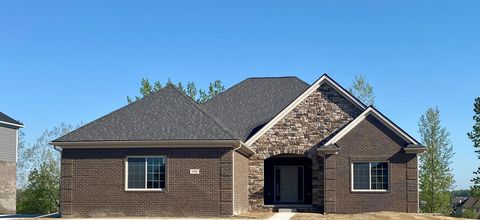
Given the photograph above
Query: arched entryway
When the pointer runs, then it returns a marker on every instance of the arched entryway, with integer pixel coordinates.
(288, 180)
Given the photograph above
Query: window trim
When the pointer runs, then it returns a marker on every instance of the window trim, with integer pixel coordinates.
(369, 177)
(145, 189)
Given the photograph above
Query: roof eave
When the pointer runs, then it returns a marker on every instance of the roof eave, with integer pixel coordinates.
(414, 149)
(12, 124)
(327, 151)
(236, 144)
(148, 143)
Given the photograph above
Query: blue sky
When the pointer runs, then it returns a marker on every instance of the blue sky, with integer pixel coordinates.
(74, 61)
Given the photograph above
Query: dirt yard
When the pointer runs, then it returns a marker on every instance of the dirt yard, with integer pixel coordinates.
(255, 215)
(371, 216)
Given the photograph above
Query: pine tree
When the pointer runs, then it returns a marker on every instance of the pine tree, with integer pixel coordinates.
(474, 135)
(436, 178)
(214, 88)
(192, 90)
(362, 90)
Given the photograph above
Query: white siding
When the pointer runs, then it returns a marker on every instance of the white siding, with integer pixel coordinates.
(8, 144)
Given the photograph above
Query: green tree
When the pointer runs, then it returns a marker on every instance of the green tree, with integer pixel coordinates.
(30, 156)
(361, 89)
(146, 88)
(192, 90)
(214, 89)
(474, 135)
(461, 193)
(469, 213)
(39, 173)
(436, 178)
(41, 195)
(22, 163)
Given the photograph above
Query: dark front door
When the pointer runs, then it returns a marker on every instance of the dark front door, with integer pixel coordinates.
(288, 180)
(289, 184)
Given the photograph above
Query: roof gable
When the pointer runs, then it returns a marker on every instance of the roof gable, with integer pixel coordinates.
(252, 103)
(323, 79)
(7, 120)
(379, 116)
(165, 115)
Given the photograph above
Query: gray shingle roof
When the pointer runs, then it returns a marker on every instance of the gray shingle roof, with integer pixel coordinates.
(471, 202)
(164, 115)
(252, 103)
(8, 119)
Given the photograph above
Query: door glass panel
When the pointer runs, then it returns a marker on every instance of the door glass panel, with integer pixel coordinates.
(277, 184)
(300, 184)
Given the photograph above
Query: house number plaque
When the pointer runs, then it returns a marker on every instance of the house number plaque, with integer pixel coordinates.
(194, 171)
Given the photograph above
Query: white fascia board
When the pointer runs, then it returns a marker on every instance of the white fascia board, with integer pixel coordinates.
(141, 144)
(12, 124)
(237, 145)
(372, 111)
(323, 79)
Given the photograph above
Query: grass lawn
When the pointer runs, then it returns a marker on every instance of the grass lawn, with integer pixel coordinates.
(370, 216)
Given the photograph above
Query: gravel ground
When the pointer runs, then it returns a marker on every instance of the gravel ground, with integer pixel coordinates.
(370, 216)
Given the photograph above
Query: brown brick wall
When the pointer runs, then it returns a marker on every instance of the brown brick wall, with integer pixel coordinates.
(93, 183)
(372, 141)
(240, 183)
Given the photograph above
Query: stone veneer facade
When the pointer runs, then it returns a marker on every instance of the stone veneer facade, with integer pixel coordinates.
(7, 187)
(317, 117)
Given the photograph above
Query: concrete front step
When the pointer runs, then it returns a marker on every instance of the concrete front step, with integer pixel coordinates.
(287, 210)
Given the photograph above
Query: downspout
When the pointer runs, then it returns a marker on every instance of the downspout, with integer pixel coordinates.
(59, 150)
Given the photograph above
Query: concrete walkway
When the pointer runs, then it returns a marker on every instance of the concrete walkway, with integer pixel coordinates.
(282, 216)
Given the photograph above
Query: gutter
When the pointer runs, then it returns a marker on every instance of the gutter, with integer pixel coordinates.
(238, 146)
(12, 124)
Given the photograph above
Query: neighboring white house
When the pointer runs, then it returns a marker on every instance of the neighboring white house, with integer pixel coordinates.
(8, 163)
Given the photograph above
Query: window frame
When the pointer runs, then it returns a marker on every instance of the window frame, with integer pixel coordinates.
(369, 177)
(146, 174)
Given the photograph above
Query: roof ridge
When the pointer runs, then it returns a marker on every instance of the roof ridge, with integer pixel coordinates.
(346, 90)
(324, 78)
(271, 77)
(200, 108)
(267, 77)
(109, 113)
(209, 100)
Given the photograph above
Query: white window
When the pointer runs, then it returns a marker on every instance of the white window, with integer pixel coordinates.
(370, 176)
(145, 173)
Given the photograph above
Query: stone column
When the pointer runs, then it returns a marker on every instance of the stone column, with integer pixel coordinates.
(317, 182)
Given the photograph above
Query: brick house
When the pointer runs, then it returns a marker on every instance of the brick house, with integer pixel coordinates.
(265, 143)
(8, 163)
